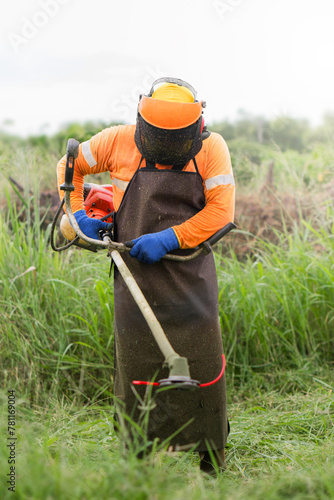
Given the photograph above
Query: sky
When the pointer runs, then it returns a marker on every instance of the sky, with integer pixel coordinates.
(69, 60)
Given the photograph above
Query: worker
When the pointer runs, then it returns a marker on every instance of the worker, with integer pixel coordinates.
(173, 188)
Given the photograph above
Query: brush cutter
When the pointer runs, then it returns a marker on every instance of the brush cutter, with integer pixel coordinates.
(179, 375)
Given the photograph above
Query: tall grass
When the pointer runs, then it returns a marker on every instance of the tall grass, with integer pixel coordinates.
(310, 172)
(277, 311)
(57, 313)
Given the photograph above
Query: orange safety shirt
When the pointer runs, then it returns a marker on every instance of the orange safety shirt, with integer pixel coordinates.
(114, 150)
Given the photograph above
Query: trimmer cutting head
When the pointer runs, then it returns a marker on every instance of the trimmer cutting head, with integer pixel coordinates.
(179, 382)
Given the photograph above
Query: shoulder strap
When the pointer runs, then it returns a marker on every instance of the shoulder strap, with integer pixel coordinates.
(152, 166)
(178, 167)
(149, 165)
(196, 167)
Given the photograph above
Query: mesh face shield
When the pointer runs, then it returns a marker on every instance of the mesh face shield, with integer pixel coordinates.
(168, 147)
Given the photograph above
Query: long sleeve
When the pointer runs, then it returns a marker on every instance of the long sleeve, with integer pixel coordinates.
(94, 157)
(219, 190)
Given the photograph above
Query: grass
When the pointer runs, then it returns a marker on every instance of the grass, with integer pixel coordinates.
(279, 447)
(56, 352)
(280, 306)
(56, 344)
(57, 319)
(52, 334)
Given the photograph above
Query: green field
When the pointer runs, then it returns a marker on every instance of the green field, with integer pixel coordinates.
(277, 317)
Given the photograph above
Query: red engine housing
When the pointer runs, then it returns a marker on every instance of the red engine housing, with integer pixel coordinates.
(99, 200)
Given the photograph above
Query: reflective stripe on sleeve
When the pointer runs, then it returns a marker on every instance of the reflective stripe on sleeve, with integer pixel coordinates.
(219, 180)
(122, 185)
(87, 154)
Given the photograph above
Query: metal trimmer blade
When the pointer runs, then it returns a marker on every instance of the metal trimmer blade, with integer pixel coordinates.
(179, 383)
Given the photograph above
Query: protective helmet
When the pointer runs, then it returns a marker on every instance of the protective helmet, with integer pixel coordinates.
(169, 123)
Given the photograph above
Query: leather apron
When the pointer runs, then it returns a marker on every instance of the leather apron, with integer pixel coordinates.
(184, 298)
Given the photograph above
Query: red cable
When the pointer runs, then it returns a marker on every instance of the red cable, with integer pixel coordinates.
(219, 376)
(142, 382)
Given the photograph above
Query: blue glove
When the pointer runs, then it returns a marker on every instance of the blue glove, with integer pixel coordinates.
(90, 227)
(151, 247)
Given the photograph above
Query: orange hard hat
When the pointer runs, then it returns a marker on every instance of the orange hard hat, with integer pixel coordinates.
(172, 106)
(169, 123)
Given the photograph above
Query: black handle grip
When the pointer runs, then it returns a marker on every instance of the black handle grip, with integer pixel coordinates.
(72, 152)
(222, 232)
(206, 245)
(72, 149)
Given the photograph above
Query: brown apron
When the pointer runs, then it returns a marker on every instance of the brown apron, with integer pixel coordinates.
(184, 298)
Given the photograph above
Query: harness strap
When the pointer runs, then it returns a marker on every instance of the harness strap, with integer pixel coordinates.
(152, 166)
